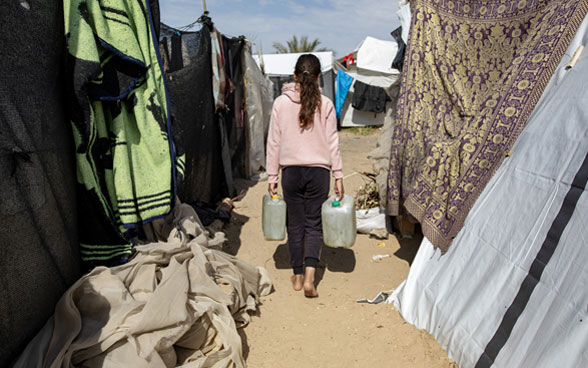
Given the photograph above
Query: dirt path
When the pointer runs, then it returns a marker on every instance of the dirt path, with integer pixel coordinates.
(332, 330)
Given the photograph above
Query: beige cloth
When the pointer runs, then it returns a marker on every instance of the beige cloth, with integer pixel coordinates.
(176, 303)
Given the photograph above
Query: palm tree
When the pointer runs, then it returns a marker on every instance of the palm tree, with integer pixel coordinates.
(295, 46)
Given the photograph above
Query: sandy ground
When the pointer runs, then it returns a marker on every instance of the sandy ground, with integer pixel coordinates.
(332, 330)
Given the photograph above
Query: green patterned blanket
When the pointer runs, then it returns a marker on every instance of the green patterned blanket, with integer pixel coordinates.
(119, 113)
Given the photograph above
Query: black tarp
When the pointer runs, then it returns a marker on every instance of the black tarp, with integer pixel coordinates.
(214, 142)
(192, 105)
(234, 115)
(39, 256)
(398, 61)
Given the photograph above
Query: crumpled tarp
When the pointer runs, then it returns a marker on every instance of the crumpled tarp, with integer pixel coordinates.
(176, 303)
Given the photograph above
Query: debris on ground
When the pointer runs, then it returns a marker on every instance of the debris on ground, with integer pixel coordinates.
(379, 257)
(382, 296)
(367, 196)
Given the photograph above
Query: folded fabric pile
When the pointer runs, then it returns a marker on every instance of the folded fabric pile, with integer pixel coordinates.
(177, 303)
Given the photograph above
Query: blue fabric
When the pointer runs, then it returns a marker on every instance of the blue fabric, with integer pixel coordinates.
(344, 81)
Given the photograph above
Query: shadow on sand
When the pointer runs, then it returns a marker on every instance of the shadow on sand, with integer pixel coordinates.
(408, 246)
(235, 225)
(233, 232)
(332, 259)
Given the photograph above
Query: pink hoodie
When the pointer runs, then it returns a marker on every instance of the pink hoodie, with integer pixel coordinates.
(289, 145)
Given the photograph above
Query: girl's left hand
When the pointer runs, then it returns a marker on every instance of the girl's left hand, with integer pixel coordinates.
(339, 190)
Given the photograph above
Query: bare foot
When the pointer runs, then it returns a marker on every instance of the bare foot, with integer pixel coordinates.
(297, 282)
(309, 289)
(310, 292)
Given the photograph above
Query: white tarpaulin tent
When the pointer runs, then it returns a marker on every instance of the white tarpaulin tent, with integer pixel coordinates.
(280, 68)
(512, 291)
(374, 67)
(376, 55)
(283, 64)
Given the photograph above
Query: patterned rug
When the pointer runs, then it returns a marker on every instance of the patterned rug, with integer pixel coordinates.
(473, 73)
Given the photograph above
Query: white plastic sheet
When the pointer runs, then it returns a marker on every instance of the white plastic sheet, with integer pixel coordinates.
(377, 55)
(368, 220)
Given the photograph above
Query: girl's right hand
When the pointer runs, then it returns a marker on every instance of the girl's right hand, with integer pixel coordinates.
(272, 189)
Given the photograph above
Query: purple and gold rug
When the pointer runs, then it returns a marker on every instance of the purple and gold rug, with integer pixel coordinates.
(473, 73)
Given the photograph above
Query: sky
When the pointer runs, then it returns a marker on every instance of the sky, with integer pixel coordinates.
(340, 25)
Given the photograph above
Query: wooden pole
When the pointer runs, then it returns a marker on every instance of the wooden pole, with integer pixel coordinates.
(204, 5)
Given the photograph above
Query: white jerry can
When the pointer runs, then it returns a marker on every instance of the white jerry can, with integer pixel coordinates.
(273, 217)
(339, 225)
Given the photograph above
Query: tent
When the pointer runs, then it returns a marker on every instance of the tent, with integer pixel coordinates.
(372, 66)
(38, 203)
(280, 68)
(373, 59)
(512, 289)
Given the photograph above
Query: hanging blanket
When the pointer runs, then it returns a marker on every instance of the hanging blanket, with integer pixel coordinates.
(177, 303)
(119, 114)
(219, 79)
(472, 75)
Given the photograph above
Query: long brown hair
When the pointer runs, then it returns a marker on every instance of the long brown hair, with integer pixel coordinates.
(307, 70)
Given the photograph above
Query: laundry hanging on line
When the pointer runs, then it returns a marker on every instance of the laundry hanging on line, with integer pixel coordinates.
(344, 82)
(369, 98)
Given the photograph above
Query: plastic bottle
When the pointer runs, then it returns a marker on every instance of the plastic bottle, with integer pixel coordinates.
(273, 217)
(339, 225)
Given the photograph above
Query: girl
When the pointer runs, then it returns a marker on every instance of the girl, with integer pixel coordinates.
(303, 142)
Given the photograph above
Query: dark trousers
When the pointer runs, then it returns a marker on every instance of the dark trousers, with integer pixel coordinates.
(305, 189)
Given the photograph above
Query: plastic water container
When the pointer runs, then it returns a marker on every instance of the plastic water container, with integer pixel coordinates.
(273, 217)
(338, 217)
